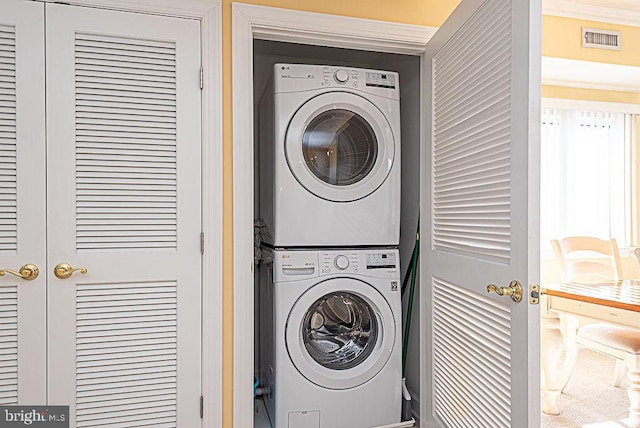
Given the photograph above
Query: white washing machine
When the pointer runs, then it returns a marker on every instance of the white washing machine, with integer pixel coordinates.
(336, 355)
(330, 156)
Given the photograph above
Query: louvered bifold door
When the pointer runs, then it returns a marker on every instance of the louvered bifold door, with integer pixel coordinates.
(123, 109)
(482, 368)
(22, 203)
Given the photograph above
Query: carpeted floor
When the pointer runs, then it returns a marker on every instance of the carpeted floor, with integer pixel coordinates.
(589, 401)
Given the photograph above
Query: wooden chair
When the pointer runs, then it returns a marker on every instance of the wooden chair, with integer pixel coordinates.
(571, 253)
(635, 257)
(621, 343)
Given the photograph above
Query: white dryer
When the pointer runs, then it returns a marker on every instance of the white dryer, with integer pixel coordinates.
(336, 355)
(330, 156)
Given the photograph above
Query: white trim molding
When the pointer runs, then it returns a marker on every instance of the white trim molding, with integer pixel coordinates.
(570, 104)
(209, 13)
(284, 25)
(590, 75)
(620, 87)
(591, 12)
(268, 23)
(194, 9)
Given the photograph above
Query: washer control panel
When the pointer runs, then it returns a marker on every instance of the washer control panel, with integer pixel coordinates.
(296, 265)
(364, 262)
(381, 260)
(335, 262)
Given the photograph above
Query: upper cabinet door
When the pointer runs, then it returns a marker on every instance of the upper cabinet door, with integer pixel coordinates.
(22, 203)
(482, 92)
(123, 143)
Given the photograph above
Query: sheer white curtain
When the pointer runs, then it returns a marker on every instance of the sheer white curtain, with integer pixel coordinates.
(585, 175)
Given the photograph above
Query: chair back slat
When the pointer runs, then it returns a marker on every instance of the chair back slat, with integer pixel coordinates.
(588, 259)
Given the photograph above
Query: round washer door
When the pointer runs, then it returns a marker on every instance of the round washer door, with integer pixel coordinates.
(340, 146)
(340, 333)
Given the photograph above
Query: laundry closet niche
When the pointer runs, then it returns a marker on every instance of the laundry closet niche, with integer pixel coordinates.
(268, 53)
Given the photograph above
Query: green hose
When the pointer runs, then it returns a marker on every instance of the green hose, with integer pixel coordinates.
(412, 289)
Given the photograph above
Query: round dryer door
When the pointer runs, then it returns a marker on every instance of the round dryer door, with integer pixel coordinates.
(340, 146)
(340, 333)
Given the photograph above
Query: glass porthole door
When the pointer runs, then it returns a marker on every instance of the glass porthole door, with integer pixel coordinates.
(339, 330)
(340, 333)
(339, 146)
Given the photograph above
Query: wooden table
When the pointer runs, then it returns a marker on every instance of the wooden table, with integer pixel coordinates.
(613, 302)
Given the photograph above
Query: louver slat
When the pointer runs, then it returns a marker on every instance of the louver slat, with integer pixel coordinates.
(471, 358)
(471, 159)
(8, 345)
(8, 143)
(126, 349)
(125, 123)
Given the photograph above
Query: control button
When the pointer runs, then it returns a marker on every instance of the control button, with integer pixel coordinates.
(341, 76)
(354, 84)
(341, 262)
(325, 83)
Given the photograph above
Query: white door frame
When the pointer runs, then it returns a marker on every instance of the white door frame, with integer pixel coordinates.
(283, 25)
(209, 13)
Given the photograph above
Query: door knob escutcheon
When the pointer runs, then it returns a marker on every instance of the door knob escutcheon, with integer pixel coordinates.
(514, 290)
(65, 270)
(28, 272)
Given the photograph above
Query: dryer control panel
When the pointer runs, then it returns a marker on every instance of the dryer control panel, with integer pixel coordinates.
(303, 77)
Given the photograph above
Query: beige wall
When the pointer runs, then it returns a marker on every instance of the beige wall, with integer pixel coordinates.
(562, 38)
(418, 12)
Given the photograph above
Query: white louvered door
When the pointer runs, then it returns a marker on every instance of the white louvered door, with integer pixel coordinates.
(22, 203)
(123, 143)
(480, 202)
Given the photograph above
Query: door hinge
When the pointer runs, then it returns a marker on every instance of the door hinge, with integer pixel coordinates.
(201, 77)
(201, 242)
(201, 407)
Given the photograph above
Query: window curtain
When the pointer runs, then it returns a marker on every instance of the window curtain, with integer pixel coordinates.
(585, 175)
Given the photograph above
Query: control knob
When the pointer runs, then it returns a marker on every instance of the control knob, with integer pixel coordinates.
(341, 76)
(341, 262)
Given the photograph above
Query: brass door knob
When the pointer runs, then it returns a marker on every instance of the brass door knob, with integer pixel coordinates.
(514, 290)
(28, 272)
(65, 270)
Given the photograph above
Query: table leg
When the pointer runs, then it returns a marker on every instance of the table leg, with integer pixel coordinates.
(551, 344)
(571, 349)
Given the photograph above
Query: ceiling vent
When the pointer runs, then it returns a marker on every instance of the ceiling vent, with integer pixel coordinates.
(600, 39)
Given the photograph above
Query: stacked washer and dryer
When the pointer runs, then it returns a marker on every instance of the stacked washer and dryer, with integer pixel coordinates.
(330, 194)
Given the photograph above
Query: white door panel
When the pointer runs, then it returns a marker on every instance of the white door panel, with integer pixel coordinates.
(123, 137)
(22, 203)
(482, 94)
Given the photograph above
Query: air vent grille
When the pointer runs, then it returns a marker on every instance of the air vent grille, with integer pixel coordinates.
(600, 39)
